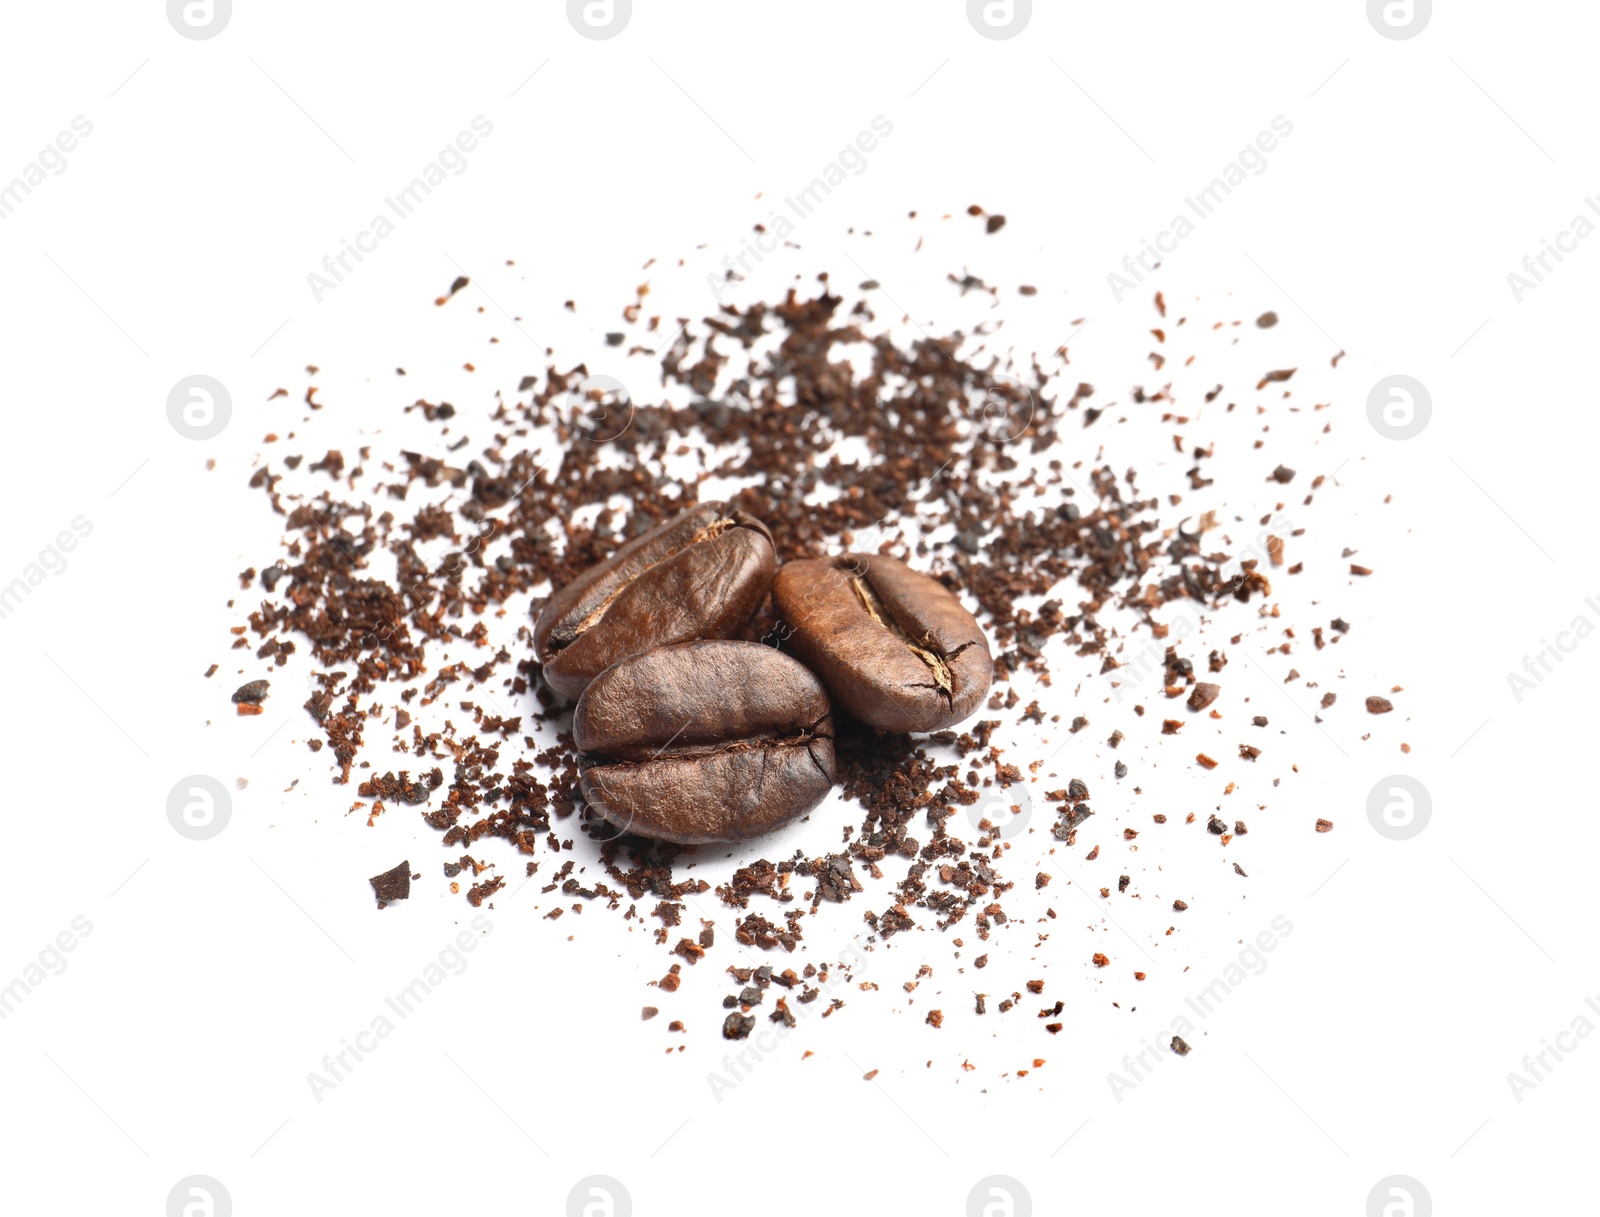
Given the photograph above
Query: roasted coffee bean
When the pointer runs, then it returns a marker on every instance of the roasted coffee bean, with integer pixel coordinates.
(894, 647)
(704, 742)
(702, 574)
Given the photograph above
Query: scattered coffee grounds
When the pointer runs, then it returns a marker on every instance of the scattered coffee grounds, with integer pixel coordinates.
(423, 592)
(393, 884)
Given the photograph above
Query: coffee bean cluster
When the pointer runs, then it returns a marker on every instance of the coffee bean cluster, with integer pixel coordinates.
(686, 734)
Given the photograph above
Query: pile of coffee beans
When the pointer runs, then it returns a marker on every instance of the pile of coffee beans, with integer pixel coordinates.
(698, 742)
(701, 665)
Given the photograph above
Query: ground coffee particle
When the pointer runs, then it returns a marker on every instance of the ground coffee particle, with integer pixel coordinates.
(393, 884)
(252, 693)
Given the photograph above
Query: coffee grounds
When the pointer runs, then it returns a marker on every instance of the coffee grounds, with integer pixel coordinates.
(1047, 553)
(252, 693)
(393, 884)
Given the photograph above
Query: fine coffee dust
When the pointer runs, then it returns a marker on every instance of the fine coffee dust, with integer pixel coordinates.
(978, 471)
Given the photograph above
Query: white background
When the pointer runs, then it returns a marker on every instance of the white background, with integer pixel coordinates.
(1377, 1041)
